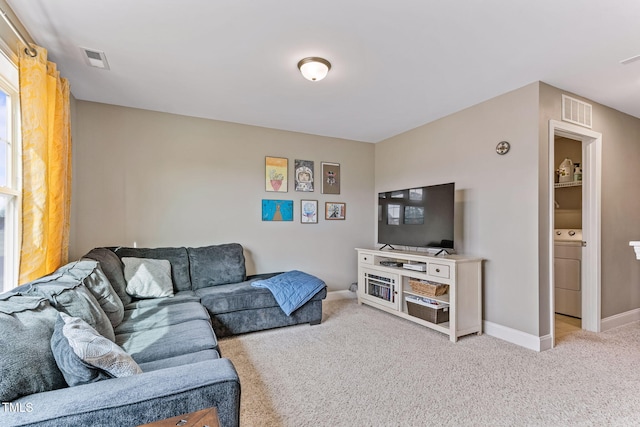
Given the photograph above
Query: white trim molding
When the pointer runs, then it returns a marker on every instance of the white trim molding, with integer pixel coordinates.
(517, 337)
(620, 319)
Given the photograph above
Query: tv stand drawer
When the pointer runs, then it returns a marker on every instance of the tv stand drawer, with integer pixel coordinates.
(366, 259)
(438, 270)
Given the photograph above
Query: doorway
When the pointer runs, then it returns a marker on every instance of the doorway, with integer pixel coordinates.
(591, 149)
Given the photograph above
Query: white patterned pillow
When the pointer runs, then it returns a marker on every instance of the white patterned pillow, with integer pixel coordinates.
(92, 349)
(148, 277)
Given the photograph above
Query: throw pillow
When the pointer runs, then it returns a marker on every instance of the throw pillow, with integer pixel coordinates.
(27, 364)
(112, 268)
(84, 356)
(147, 277)
(216, 265)
(100, 287)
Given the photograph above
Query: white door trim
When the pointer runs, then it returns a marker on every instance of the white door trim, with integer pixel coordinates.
(591, 221)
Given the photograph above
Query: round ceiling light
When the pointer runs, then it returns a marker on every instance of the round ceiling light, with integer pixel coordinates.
(314, 68)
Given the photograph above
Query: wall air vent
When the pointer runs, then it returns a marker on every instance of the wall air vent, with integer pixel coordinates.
(575, 111)
(95, 58)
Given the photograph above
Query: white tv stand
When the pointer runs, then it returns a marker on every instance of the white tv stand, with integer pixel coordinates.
(387, 287)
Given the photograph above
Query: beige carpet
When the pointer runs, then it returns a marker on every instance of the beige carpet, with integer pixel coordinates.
(364, 367)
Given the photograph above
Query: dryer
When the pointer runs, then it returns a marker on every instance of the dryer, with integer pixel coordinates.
(568, 245)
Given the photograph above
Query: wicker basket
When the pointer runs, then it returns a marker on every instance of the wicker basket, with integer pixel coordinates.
(428, 289)
(433, 315)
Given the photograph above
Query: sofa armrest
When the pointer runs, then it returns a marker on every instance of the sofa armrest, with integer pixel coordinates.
(135, 400)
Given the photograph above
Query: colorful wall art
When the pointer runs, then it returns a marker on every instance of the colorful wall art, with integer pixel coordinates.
(303, 173)
(277, 210)
(276, 171)
(309, 211)
(330, 178)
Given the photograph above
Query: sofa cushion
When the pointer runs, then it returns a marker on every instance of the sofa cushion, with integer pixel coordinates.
(168, 341)
(242, 296)
(234, 297)
(68, 294)
(185, 359)
(141, 318)
(176, 256)
(148, 278)
(216, 265)
(100, 287)
(27, 364)
(112, 268)
(84, 356)
(177, 298)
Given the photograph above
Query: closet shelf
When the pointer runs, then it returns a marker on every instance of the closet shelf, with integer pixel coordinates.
(568, 184)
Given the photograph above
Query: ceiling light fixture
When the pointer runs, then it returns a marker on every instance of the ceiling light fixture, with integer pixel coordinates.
(314, 68)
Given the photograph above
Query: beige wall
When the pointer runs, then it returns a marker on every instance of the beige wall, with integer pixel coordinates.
(496, 196)
(620, 201)
(155, 179)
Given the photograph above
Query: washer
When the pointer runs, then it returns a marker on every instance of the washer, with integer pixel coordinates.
(568, 245)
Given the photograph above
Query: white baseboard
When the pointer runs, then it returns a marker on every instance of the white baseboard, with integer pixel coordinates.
(543, 343)
(334, 295)
(619, 319)
(517, 337)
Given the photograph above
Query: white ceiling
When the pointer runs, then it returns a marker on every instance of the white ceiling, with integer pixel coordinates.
(395, 64)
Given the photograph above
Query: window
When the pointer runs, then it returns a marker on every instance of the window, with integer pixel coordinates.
(9, 175)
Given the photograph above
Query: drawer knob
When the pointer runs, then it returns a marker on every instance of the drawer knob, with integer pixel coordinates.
(437, 270)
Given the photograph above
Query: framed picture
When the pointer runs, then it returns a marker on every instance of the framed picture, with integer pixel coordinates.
(330, 178)
(303, 173)
(333, 210)
(309, 211)
(276, 171)
(277, 210)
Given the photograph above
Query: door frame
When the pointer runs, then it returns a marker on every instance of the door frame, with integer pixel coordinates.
(591, 221)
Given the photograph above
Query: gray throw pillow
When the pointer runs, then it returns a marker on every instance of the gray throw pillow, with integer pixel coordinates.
(84, 356)
(112, 268)
(148, 278)
(27, 364)
(216, 265)
(100, 287)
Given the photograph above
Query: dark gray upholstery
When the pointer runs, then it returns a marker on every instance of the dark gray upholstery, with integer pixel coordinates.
(172, 339)
(243, 321)
(149, 317)
(168, 341)
(236, 296)
(112, 268)
(176, 256)
(216, 265)
(27, 364)
(77, 301)
(75, 370)
(139, 399)
(184, 359)
(177, 298)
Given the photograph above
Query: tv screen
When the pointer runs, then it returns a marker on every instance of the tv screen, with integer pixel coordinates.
(418, 217)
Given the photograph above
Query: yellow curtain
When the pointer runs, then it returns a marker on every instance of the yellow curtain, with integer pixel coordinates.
(46, 166)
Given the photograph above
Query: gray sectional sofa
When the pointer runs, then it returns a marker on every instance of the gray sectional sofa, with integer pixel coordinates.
(172, 340)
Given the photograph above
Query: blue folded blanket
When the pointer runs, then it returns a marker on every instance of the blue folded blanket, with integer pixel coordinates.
(291, 289)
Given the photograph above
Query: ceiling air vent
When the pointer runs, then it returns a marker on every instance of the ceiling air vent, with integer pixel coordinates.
(95, 58)
(576, 111)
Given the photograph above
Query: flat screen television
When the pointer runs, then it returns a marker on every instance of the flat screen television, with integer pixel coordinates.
(417, 217)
